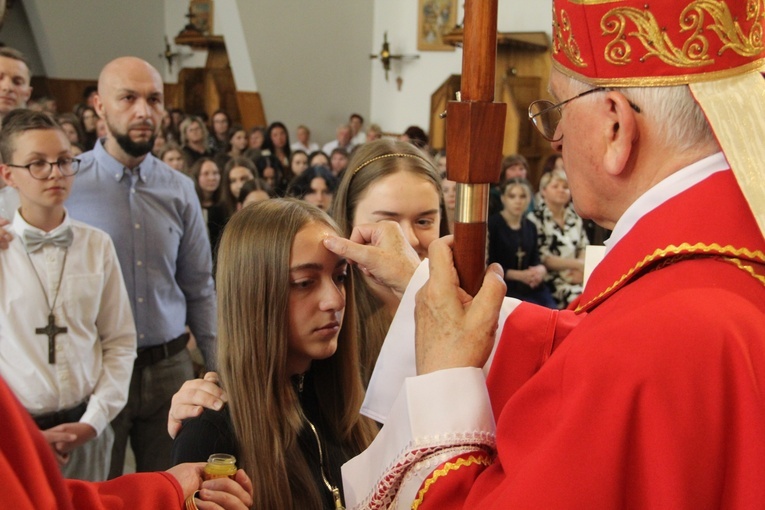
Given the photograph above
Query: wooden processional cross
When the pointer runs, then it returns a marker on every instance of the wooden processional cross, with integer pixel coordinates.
(51, 330)
(475, 129)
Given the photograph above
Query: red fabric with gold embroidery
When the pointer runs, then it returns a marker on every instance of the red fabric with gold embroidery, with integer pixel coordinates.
(644, 42)
(656, 397)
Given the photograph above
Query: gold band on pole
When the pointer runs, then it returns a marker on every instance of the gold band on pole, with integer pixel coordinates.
(472, 203)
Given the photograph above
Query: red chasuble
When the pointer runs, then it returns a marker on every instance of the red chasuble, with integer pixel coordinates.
(32, 480)
(653, 394)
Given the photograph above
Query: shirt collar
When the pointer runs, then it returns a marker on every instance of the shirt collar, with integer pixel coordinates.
(20, 224)
(117, 169)
(671, 186)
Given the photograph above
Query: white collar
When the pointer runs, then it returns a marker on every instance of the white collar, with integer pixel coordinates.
(663, 191)
(20, 224)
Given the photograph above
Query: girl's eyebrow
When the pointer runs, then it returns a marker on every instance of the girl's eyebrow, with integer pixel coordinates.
(316, 266)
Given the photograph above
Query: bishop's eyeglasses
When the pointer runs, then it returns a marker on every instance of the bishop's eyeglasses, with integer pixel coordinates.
(545, 115)
(42, 169)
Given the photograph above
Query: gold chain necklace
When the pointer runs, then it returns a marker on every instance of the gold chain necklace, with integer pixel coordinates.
(331, 488)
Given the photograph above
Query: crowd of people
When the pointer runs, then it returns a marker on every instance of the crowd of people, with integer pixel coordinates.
(344, 365)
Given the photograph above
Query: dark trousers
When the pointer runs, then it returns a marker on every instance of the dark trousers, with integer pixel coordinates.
(144, 418)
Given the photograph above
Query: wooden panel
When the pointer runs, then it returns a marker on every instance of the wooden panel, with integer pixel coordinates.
(67, 93)
(438, 100)
(172, 96)
(251, 109)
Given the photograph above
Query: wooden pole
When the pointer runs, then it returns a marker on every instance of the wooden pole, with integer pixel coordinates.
(475, 128)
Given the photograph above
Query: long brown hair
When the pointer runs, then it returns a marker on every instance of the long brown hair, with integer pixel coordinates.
(253, 307)
(378, 161)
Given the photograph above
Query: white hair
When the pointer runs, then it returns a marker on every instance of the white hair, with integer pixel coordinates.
(672, 111)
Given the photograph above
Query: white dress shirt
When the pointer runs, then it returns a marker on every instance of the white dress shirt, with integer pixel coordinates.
(9, 202)
(94, 358)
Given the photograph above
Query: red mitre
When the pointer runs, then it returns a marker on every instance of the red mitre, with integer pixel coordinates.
(657, 42)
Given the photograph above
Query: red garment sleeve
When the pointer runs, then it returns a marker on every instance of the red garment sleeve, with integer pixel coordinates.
(32, 479)
(529, 336)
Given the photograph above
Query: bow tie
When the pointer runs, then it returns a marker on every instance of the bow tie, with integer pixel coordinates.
(33, 240)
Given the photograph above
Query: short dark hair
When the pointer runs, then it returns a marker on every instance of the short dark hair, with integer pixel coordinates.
(357, 116)
(19, 121)
(301, 185)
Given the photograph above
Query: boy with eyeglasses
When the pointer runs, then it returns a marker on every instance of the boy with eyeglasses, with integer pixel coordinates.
(67, 336)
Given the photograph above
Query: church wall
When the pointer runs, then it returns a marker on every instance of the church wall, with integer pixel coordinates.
(311, 60)
(395, 109)
(76, 38)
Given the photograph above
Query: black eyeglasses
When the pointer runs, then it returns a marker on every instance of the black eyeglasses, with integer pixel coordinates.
(546, 116)
(42, 169)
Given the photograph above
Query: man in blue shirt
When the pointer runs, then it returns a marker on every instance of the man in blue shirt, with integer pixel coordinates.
(155, 220)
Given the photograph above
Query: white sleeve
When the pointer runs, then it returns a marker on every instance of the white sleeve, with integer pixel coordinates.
(397, 357)
(116, 331)
(444, 411)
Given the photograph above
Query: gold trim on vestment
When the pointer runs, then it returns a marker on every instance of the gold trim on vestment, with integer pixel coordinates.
(748, 269)
(735, 109)
(683, 249)
(483, 460)
(660, 81)
(567, 45)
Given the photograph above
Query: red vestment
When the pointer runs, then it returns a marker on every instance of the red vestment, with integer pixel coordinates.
(653, 394)
(33, 481)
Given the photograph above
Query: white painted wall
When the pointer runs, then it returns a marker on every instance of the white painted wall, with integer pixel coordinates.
(308, 59)
(76, 38)
(395, 110)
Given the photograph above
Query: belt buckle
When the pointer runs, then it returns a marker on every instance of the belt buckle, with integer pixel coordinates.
(165, 350)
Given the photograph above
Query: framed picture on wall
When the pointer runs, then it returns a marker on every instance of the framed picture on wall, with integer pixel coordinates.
(434, 19)
(202, 10)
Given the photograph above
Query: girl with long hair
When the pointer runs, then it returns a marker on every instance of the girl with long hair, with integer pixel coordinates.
(387, 180)
(288, 359)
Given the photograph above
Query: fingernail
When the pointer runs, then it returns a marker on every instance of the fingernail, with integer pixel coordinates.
(217, 405)
(329, 242)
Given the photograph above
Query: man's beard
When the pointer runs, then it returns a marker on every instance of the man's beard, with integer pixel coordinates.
(135, 149)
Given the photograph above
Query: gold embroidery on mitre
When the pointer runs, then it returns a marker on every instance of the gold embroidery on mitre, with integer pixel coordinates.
(727, 251)
(695, 49)
(747, 268)
(567, 45)
(482, 460)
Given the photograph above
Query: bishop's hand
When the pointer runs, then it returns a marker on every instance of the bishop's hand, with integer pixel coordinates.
(452, 328)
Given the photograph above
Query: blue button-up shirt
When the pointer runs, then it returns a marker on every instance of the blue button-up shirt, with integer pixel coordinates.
(153, 215)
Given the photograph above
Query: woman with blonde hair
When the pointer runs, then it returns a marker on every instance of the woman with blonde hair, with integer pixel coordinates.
(288, 359)
(396, 181)
(561, 237)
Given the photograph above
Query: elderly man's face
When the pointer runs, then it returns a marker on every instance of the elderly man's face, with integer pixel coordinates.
(582, 146)
(14, 84)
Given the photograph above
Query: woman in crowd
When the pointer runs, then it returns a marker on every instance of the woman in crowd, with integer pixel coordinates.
(513, 245)
(252, 192)
(277, 143)
(71, 127)
(236, 172)
(194, 139)
(318, 158)
(270, 170)
(88, 118)
(172, 155)
(316, 186)
(298, 163)
(220, 124)
(387, 180)
(237, 142)
(562, 238)
(207, 181)
(290, 367)
(256, 137)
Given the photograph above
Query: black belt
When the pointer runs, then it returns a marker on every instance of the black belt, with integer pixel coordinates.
(49, 420)
(148, 356)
